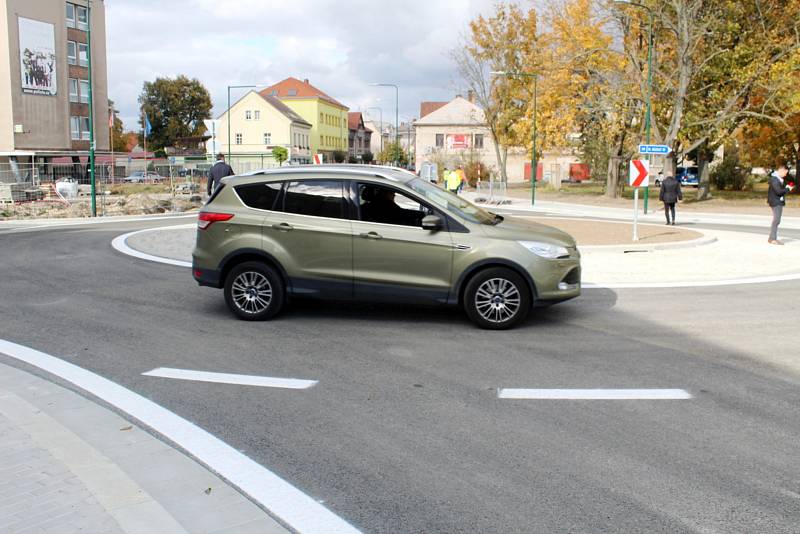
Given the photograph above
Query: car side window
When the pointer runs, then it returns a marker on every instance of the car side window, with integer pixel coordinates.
(261, 196)
(320, 198)
(385, 205)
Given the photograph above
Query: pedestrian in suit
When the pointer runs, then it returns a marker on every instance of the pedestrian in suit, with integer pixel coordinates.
(776, 200)
(219, 171)
(670, 194)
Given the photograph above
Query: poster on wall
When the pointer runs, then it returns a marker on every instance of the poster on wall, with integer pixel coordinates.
(37, 55)
(458, 141)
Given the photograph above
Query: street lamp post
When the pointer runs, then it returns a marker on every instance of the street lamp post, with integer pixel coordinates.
(380, 132)
(534, 155)
(648, 119)
(228, 113)
(91, 108)
(396, 110)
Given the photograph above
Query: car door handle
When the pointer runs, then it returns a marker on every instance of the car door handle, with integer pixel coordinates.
(285, 227)
(371, 235)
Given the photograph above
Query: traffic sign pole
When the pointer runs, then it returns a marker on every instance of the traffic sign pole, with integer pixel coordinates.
(639, 176)
(636, 214)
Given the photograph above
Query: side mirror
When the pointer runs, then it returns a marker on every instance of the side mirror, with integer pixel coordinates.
(432, 222)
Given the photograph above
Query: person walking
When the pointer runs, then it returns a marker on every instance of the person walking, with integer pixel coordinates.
(776, 198)
(670, 194)
(452, 181)
(462, 177)
(217, 172)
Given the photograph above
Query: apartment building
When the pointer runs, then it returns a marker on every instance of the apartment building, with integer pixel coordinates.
(44, 84)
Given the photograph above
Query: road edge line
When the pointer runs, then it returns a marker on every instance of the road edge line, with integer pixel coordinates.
(286, 502)
(120, 243)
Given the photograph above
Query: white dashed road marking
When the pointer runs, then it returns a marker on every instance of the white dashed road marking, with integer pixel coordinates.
(594, 394)
(227, 378)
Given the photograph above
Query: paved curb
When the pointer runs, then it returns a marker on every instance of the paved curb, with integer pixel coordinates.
(634, 247)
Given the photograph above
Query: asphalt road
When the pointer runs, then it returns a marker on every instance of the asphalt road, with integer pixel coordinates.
(405, 433)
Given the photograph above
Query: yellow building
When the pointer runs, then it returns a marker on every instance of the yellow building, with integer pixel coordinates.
(328, 117)
(257, 125)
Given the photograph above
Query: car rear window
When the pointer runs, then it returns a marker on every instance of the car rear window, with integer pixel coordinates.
(261, 196)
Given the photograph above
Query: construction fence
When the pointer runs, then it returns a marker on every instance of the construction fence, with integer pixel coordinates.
(63, 188)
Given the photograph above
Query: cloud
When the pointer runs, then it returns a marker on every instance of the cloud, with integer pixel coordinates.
(339, 46)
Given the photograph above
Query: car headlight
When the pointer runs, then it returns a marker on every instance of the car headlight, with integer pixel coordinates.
(545, 250)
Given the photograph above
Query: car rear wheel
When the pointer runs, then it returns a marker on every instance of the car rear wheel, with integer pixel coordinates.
(254, 291)
(497, 299)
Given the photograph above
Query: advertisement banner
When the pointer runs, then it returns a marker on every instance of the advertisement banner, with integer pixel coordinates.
(458, 141)
(37, 55)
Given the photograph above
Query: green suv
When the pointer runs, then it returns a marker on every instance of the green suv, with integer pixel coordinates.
(372, 233)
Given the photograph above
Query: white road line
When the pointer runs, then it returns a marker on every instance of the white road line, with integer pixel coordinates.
(227, 378)
(594, 394)
(708, 283)
(120, 243)
(298, 510)
(94, 220)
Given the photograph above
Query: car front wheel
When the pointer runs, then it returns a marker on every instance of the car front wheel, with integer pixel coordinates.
(254, 291)
(497, 299)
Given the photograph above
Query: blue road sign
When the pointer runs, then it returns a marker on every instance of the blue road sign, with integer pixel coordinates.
(654, 149)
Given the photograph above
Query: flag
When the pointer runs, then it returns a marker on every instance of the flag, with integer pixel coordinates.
(147, 127)
(111, 120)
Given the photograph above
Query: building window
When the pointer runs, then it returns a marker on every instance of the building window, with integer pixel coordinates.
(291, 92)
(72, 52)
(478, 140)
(248, 115)
(83, 18)
(83, 55)
(84, 91)
(439, 140)
(320, 117)
(257, 114)
(274, 92)
(75, 128)
(73, 90)
(238, 139)
(70, 15)
(85, 128)
(267, 138)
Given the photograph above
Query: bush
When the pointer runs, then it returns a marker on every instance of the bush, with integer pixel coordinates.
(367, 158)
(352, 159)
(339, 156)
(728, 174)
(476, 170)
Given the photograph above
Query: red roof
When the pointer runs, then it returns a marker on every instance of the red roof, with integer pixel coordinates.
(354, 120)
(426, 108)
(294, 88)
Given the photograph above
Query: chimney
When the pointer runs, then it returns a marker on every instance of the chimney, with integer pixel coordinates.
(305, 81)
(471, 96)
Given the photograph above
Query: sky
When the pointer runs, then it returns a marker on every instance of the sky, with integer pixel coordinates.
(341, 47)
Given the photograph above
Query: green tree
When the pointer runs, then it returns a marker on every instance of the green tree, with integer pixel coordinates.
(339, 156)
(394, 153)
(175, 108)
(505, 41)
(367, 158)
(280, 154)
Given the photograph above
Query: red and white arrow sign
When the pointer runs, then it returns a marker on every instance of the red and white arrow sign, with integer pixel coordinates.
(640, 173)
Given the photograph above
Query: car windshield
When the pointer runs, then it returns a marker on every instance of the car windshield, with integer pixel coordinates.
(453, 203)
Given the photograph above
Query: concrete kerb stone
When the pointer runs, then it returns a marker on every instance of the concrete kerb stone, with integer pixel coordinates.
(637, 247)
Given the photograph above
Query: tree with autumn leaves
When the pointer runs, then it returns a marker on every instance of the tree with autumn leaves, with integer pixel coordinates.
(723, 70)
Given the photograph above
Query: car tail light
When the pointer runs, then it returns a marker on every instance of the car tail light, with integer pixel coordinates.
(206, 219)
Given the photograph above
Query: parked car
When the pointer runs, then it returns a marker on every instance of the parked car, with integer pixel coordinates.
(186, 188)
(688, 176)
(140, 177)
(373, 233)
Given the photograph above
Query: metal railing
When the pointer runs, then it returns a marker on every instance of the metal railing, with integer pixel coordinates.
(492, 192)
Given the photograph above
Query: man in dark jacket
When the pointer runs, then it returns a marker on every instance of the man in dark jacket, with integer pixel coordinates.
(219, 171)
(670, 194)
(776, 200)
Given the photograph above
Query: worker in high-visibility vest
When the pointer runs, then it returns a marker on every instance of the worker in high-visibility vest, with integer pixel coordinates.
(462, 177)
(452, 181)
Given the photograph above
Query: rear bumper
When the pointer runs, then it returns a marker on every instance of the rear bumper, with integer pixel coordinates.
(206, 277)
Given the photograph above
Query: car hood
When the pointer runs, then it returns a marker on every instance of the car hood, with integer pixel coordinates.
(517, 229)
